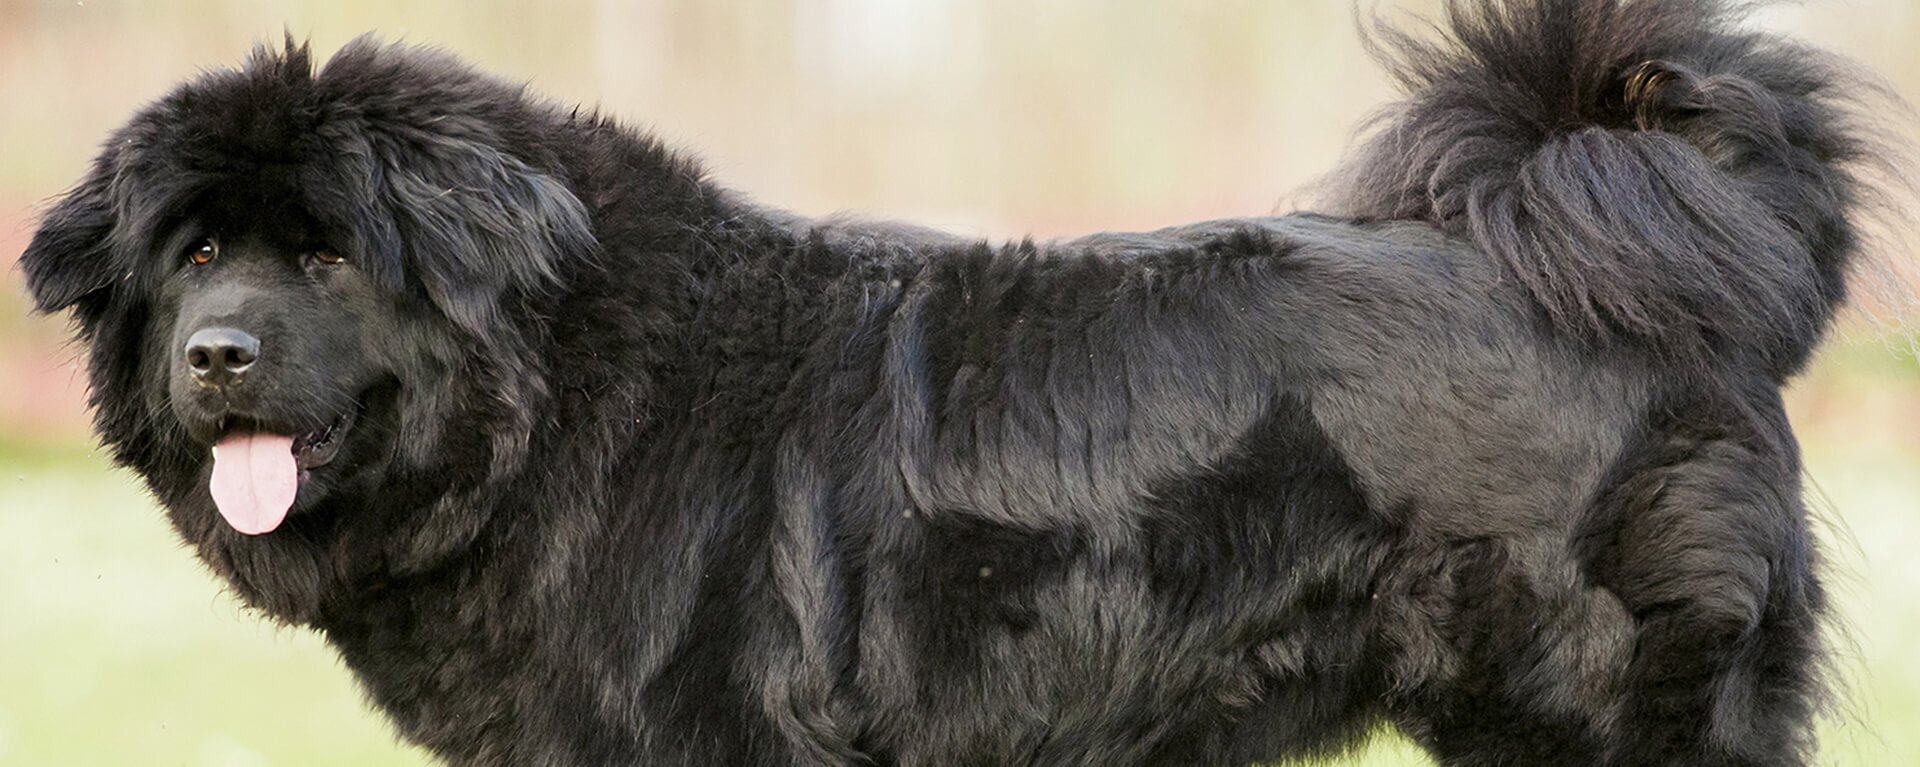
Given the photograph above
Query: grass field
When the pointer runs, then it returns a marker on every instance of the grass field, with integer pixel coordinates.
(117, 649)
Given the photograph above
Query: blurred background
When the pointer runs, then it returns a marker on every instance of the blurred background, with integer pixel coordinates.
(995, 118)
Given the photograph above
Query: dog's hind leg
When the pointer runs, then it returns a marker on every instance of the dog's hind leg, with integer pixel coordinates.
(1714, 558)
(1681, 627)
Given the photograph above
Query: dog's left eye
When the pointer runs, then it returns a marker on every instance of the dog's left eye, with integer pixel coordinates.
(328, 257)
(202, 252)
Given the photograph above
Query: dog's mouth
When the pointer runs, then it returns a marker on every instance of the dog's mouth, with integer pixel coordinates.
(315, 449)
(257, 472)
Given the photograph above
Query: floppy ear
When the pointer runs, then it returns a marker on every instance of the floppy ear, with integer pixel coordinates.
(70, 263)
(478, 224)
(435, 175)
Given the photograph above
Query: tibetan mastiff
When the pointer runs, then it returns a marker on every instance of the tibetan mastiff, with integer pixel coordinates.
(579, 458)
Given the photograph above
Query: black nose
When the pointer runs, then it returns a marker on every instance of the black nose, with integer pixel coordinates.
(217, 356)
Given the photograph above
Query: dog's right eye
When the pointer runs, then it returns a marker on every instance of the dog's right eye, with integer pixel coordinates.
(202, 252)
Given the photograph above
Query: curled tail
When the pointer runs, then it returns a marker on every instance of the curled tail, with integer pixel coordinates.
(1648, 171)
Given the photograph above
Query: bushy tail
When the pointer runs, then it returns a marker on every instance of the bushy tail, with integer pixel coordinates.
(1650, 172)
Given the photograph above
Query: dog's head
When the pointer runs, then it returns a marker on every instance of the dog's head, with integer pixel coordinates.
(298, 290)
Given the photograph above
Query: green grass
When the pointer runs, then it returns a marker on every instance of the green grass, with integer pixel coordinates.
(117, 648)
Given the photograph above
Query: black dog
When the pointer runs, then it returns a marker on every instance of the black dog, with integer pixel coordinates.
(579, 459)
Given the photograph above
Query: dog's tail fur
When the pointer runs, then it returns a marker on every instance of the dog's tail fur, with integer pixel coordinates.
(1648, 171)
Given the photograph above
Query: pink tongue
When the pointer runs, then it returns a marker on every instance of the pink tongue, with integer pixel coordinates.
(254, 480)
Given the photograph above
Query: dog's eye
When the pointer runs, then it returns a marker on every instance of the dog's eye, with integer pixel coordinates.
(328, 257)
(202, 252)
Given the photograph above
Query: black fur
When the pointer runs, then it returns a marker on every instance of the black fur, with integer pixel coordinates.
(1643, 169)
(646, 474)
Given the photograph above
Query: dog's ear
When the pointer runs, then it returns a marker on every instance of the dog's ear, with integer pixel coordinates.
(477, 224)
(438, 176)
(69, 264)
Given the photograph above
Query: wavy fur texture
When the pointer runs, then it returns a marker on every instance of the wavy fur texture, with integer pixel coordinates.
(1651, 171)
